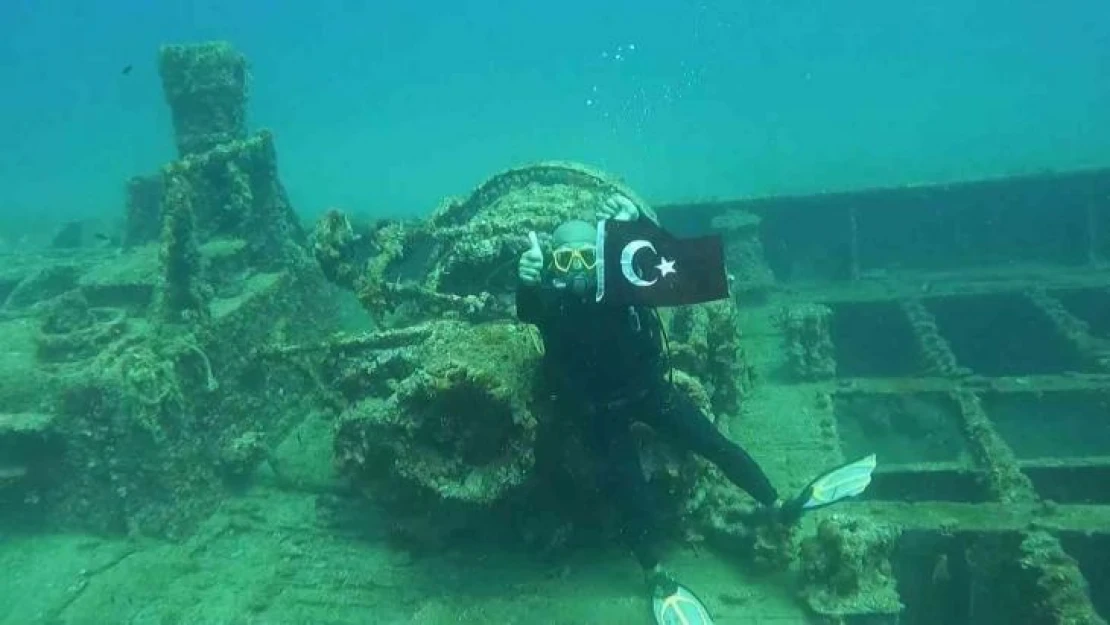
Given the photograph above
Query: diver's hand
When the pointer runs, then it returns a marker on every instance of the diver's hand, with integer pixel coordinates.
(618, 208)
(531, 262)
(787, 512)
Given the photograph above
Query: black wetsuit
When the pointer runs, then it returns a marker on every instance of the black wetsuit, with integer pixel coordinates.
(608, 365)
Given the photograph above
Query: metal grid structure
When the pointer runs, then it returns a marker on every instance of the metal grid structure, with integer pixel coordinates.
(970, 329)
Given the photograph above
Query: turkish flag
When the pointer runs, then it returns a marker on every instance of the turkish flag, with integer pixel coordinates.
(643, 264)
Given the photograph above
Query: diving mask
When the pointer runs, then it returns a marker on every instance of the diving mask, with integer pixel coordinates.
(572, 270)
(566, 259)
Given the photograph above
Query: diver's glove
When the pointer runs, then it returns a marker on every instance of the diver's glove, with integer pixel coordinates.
(531, 262)
(618, 208)
(660, 583)
(787, 512)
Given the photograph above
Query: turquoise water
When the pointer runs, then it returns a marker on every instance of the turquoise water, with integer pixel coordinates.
(193, 431)
(385, 107)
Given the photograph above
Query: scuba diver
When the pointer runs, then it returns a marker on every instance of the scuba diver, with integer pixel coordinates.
(608, 366)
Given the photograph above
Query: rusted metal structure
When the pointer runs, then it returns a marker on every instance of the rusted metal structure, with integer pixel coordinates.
(965, 337)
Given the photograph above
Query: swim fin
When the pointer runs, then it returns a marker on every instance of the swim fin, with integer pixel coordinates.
(845, 481)
(682, 607)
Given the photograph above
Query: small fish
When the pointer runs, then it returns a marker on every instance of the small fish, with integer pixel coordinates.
(126, 70)
(106, 240)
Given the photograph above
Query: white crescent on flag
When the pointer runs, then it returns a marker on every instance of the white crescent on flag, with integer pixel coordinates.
(628, 255)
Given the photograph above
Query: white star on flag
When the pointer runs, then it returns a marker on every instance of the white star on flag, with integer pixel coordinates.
(665, 267)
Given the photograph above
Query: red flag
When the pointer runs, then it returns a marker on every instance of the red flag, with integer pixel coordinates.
(643, 264)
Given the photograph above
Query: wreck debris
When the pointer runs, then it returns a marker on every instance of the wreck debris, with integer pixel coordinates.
(808, 341)
(934, 352)
(752, 277)
(225, 177)
(143, 210)
(141, 359)
(40, 285)
(846, 568)
(73, 330)
(1053, 578)
(441, 421)
(182, 295)
(241, 455)
(462, 259)
(1000, 471)
(853, 243)
(206, 88)
(1074, 331)
(233, 192)
(27, 441)
(459, 265)
(339, 250)
(704, 341)
(457, 419)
